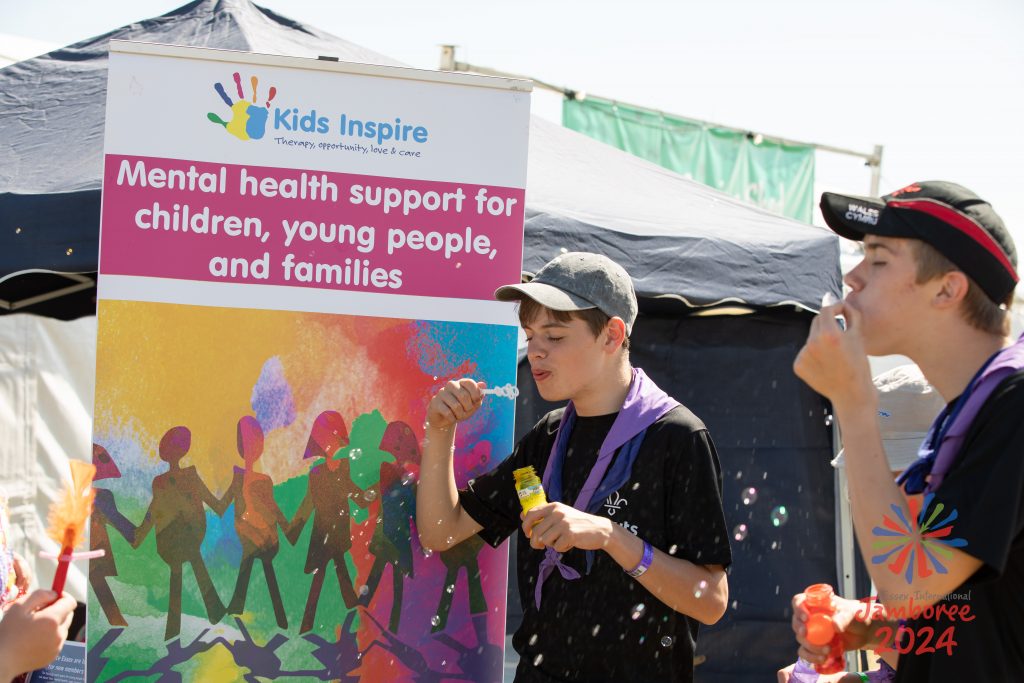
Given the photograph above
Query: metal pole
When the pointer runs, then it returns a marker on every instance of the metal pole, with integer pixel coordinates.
(875, 162)
(447, 58)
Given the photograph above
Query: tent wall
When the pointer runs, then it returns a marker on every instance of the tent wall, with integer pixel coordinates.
(736, 373)
(47, 384)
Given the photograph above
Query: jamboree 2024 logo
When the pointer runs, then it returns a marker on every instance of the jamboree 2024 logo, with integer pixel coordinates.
(249, 120)
(916, 547)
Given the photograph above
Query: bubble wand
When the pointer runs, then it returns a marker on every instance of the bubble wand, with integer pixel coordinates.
(506, 391)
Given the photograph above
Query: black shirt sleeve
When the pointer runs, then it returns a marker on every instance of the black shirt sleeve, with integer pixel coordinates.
(696, 522)
(491, 499)
(986, 485)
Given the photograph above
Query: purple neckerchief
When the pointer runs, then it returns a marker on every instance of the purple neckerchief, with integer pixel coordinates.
(1001, 366)
(644, 404)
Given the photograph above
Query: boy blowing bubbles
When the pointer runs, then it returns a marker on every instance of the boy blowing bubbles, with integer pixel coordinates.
(935, 284)
(603, 598)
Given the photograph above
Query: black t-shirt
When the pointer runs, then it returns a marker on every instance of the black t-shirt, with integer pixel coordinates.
(606, 626)
(986, 488)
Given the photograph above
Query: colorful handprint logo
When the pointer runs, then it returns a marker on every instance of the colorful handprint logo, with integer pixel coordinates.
(248, 120)
(919, 539)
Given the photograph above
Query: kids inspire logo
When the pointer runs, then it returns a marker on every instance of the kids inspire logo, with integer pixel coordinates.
(248, 119)
(919, 543)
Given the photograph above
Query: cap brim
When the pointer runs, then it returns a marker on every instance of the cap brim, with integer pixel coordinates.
(851, 217)
(900, 453)
(546, 295)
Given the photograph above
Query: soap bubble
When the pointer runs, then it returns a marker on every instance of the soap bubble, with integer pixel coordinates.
(533, 639)
(435, 620)
(828, 420)
(666, 641)
(780, 516)
(638, 611)
(355, 453)
(749, 495)
(538, 659)
(740, 532)
(699, 590)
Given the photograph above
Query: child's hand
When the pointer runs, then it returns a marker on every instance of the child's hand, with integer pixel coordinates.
(457, 401)
(33, 631)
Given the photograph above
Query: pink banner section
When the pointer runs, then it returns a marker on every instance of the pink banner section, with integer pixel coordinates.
(228, 223)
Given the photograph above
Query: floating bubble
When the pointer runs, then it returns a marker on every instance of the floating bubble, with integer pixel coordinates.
(638, 611)
(780, 516)
(749, 495)
(828, 420)
(735, 604)
(739, 474)
(355, 453)
(740, 532)
(666, 641)
(450, 588)
(435, 620)
(364, 589)
(533, 639)
(594, 631)
(427, 552)
(370, 495)
(538, 659)
(672, 549)
(636, 485)
(408, 478)
(70, 251)
(699, 590)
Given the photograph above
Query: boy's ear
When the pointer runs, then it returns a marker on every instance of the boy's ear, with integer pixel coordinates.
(953, 289)
(616, 331)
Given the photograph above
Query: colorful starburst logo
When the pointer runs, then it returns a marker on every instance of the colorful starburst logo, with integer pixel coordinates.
(918, 544)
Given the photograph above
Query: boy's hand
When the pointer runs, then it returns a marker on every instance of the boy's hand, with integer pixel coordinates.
(563, 527)
(833, 361)
(33, 631)
(457, 401)
(850, 621)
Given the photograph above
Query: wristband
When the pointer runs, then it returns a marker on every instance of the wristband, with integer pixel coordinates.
(645, 561)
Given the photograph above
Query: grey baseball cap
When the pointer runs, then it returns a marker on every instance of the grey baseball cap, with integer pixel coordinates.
(577, 281)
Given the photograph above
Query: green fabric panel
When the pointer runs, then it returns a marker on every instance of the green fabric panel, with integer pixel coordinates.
(771, 175)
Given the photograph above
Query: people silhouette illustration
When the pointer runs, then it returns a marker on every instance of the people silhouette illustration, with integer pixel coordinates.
(257, 518)
(391, 544)
(104, 514)
(328, 493)
(179, 518)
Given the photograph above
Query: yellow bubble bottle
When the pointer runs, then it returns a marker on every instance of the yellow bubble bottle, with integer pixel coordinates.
(529, 488)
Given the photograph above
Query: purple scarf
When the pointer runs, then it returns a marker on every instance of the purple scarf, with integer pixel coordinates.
(942, 445)
(645, 403)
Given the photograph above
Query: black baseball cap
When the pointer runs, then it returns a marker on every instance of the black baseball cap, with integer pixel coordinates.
(956, 222)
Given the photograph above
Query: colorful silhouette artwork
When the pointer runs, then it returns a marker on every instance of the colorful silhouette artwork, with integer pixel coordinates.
(461, 556)
(104, 514)
(391, 544)
(257, 518)
(327, 498)
(177, 513)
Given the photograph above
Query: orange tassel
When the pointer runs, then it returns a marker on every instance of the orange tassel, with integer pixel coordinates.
(68, 516)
